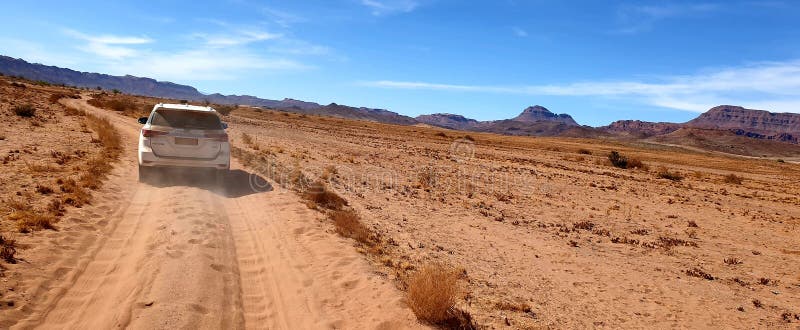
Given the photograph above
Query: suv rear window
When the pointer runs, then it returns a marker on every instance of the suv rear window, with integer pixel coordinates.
(186, 119)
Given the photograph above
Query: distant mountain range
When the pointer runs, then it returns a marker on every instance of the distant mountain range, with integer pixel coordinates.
(715, 129)
(150, 87)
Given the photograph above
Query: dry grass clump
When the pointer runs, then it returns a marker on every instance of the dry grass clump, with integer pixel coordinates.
(247, 140)
(432, 293)
(668, 242)
(697, 272)
(126, 104)
(328, 172)
(8, 248)
(440, 134)
(426, 177)
(76, 195)
(732, 261)
(664, 173)
(25, 110)
(348, 224)
(625, 162)
(584, 151)
(733, 179)
(29, 220)
(57, 96)
(225, 109)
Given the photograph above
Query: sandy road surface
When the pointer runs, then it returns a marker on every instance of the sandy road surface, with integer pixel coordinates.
(182, 255)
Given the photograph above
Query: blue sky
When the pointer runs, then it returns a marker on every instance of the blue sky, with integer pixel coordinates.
(597, 60)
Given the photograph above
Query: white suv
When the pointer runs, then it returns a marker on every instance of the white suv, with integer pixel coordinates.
(185, 136)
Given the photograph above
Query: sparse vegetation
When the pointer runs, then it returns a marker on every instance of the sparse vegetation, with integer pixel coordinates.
(584, 151)
(8, 249)
(697, 272)
(733, 179)
(348, 224)
(620, 161)
(225, 109)
(426, 178)
(732, 261)
(432, 293)
(441, 134)
(25, 110)
(247, 139)
(30, 220)
(665, 173)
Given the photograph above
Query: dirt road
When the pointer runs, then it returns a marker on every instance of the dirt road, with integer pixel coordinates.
(182, 255)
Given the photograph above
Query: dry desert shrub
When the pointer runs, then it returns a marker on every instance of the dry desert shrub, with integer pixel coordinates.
(29, 220)
(732, 261)
(664, 173)
(584, 151)
(426, 177)
(697, 272)
(328, 172)
(440, 134)
(8, 248)
(348, 224)
(668, 242)
(733, 179)
(225, 109)
(625, 162)
(57, 96)
(25, 110)
(432, 293)
(247, 139)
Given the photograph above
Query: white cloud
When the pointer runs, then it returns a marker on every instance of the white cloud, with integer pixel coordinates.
(384, 7)
(771, 86)
(221, 56)
(282, 18)
(204, 64)
(519, 32)
(636, 19)
(241, 37)
(109, 46)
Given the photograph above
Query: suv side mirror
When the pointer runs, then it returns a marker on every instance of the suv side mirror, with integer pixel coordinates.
(143, 120)
(224, 125)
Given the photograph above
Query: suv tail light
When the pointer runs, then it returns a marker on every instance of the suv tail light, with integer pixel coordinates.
(152, 133)
(219, 137)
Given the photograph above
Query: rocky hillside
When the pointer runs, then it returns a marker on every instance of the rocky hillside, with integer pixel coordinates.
(343, 111)
(533, 121)
(447, 120)
(758, 124)
(538, 113)
(640, 129)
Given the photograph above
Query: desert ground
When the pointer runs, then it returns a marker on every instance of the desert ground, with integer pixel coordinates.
(539, 232)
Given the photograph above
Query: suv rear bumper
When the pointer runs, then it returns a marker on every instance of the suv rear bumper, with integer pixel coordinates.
(150, 159)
